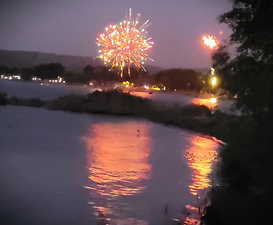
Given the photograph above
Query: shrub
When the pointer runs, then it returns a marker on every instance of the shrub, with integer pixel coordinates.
(72, 103)
(3, 98)
(33, 102)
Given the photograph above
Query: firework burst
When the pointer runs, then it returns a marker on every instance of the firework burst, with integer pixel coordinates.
(126, 44)
(210, 41)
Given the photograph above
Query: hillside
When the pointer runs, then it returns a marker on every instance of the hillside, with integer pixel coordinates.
(29, 59)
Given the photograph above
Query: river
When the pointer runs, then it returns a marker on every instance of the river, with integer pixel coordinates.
(65, 168)
(51, 91)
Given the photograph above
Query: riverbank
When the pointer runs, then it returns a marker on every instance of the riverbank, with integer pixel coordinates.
(192, 117)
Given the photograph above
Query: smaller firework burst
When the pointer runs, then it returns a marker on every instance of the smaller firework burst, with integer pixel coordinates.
(210, 41)
(125, 44)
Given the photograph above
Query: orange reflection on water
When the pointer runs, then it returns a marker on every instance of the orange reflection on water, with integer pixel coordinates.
(191, 221)
(118, 158)
(142, 94)
(201, 156)
(211, 103)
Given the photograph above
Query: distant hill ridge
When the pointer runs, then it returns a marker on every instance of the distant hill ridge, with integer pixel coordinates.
(29, 59)
(21, 59)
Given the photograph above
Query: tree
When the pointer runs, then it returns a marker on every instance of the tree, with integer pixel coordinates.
(249, 74)
(14, 70)
(103, 73)
(88, 69)
(220, 59)
(74, 77)
(88, 73)
(27, 73)
(3, 98)
(49, 71)
(246, 192)
(4, 69)
(180, 79)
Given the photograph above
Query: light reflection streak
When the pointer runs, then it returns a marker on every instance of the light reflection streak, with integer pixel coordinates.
(118, 158)
(142, 94)
(201, 156)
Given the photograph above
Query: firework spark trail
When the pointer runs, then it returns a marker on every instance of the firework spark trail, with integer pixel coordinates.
(125, 44)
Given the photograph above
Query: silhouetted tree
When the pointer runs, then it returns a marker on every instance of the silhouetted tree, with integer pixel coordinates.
(14, 70)
(88, 73)
(102, 74)
(88, 69)
(4, 69)
(49, 71)
(75, 77)
(249, 74)
(246, 192)
(180, 79)
(27, 73)
(3, 98)
(220, 59)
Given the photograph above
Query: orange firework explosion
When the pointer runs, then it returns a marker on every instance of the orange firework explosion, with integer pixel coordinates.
(210, 41)
(125, 44)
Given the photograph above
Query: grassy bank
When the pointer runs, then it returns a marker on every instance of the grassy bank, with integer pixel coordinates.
(192, 117)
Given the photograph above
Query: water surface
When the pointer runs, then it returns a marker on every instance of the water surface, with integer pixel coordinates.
(64, 167)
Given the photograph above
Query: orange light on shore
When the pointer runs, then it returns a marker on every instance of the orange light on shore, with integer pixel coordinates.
(210, 41)
(211, 103)
(213, 100)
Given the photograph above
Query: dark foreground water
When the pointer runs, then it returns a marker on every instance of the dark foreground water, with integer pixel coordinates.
(64, 168)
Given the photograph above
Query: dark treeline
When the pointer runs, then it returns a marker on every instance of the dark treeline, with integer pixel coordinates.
(9, 70)
(172, 79)
(53, 70)
(179, 79)
(245, 192)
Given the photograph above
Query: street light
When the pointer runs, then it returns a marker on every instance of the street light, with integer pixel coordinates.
(213, 81)
(211, 43)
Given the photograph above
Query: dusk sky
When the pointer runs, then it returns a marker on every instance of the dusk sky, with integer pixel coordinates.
(71, 26)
